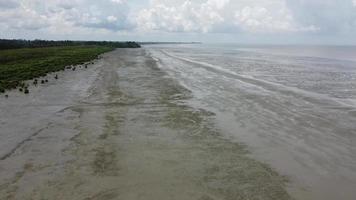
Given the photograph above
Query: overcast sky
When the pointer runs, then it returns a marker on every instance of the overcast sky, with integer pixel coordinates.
(240, 21)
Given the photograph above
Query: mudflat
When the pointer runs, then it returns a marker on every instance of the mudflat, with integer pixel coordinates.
(121, 130)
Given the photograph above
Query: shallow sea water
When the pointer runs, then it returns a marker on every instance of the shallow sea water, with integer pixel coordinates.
(293, 106)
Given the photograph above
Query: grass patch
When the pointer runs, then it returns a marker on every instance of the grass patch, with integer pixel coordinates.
(18, 65)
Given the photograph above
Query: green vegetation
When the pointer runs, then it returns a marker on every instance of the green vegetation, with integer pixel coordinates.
(17, 65)
(22, 60)
(17, 44)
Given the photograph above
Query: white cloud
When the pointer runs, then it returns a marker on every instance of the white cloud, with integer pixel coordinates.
(60, 15)
(219, 16)
(119, 1)
(111, 18)
(23, 19)
(186, 17)
(234, 17)
(261, 20)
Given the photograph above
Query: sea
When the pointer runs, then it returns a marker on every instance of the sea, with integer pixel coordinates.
(293, 106)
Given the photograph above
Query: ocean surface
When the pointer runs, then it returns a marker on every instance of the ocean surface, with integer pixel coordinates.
(293, 106)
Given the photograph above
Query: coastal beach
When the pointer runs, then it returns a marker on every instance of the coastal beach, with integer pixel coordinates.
(122, 129)
(177, 100)
(183, 122)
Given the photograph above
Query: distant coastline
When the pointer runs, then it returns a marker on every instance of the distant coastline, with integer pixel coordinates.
(153, 43)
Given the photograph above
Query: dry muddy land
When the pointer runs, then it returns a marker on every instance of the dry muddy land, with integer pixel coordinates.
(127, 128)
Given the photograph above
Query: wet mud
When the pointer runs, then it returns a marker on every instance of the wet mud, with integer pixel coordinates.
(131, 135)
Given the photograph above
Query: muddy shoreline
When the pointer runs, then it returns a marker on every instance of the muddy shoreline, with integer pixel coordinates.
(122, 130)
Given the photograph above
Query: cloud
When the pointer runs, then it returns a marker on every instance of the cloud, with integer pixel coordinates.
(329, 18)
(110, 14)
(219, 16)
(119, 1)
(332, 17)
(22, 19)
(261, 20)
(8, 4)
(182, 16)
(58, 15)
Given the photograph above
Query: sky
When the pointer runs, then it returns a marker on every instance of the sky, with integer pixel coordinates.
(208, 21)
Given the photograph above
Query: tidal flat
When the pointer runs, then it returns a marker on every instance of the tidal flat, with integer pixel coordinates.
(122, 129)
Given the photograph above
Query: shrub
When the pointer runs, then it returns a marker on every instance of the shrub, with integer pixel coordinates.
(22, 84)
(18, 65)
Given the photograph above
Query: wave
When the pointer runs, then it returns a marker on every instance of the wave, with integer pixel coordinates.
(316, 98)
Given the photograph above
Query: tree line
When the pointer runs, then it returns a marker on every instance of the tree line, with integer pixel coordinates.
(17, 44)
